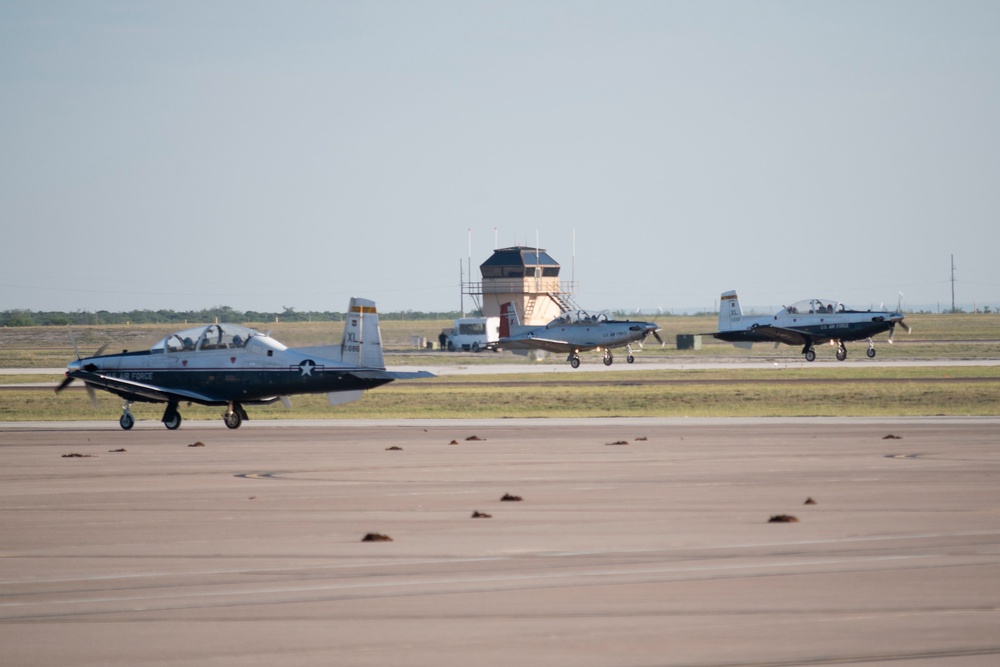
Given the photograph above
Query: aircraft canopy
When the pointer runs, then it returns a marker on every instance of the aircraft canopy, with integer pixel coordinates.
(580, 317)
(811, 306)
(211, 337)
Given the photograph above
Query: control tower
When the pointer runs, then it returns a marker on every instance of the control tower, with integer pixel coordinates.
(529, 278)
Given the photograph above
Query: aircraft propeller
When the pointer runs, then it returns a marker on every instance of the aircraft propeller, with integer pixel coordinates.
(656, 335)
(76, 365)
(892, 327)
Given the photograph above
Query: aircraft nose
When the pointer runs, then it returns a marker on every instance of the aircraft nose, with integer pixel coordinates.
(74, 365)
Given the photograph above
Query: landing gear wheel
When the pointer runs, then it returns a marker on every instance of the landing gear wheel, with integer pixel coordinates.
(630, 359)
(810, 355)
(871, 353)
(575, 362)
(608, 360)
(172, 421)
(841, 353)
(127, 421)
(232, 419)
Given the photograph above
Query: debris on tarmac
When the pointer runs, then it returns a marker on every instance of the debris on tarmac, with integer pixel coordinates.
(510, 499)
(783, 518)
(474, 438)
(892, 437)
(117, 451)
(617, 442)
(809, 501)
(476, 514)
(376, 537)
(394, 448)
(197, 444)
(77, 455)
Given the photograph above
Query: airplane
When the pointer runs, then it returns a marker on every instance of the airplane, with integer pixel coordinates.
(805, 323)
(574, 332)
(235, 366)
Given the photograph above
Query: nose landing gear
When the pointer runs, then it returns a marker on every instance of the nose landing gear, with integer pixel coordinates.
(127, 420)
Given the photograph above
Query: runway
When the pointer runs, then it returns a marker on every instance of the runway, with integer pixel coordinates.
(635, 542)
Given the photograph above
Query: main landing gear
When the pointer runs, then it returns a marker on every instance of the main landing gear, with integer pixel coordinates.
(810, 352)
(608, 358)
(172, 418)
(574, 358)
(234, 416)
(871, 349)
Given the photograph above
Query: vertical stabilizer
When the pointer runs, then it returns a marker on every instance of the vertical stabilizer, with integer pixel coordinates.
(509, 322)
(362, 344)
(730, 313)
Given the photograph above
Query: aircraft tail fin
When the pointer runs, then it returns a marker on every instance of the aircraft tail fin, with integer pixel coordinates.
(362, 343)
(508, 319)
(730, 312)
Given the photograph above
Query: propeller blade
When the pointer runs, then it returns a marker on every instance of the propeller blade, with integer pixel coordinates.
(656, 335)
(72, 339)
(92, 394)
(892, 331)
(65, 383)
(101, 349)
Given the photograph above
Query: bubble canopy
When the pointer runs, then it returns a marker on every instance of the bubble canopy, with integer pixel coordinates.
(815, 306)
(211, 337)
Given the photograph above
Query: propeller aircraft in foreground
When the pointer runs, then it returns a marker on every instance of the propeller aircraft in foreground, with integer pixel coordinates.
(234, 366)
(574, 332)
(805, 323)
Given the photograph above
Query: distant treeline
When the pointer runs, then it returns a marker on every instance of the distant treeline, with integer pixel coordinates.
(30, 318)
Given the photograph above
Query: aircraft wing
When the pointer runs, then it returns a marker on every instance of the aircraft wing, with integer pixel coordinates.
(785, 335)
(149, 391)
(528, 342)
(378, 374)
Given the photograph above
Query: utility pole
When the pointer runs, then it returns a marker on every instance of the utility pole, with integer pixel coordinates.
(953, 283)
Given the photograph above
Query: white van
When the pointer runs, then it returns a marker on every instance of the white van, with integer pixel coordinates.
(474, 334)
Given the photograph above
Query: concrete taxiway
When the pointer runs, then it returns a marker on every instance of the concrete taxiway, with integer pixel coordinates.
(635, 542)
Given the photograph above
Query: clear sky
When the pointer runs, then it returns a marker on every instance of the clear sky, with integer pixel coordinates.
(263, 155)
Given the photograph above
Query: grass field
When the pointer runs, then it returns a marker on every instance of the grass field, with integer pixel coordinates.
(802, 390)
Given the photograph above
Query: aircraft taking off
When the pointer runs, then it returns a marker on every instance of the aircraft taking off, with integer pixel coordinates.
(805, 323)
(574, 333)
(234, 366)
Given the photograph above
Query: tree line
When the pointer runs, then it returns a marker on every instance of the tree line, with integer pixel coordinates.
(32, 318)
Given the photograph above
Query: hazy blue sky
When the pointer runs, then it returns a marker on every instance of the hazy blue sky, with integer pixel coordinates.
(183, 155)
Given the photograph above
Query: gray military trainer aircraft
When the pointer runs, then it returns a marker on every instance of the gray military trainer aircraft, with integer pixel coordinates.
(234, 366)
(805, 323)
(574, 332)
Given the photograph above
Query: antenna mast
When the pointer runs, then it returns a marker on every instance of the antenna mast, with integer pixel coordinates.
(953, 283)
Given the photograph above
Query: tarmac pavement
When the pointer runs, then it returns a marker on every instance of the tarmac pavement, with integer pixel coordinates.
(635, 542)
